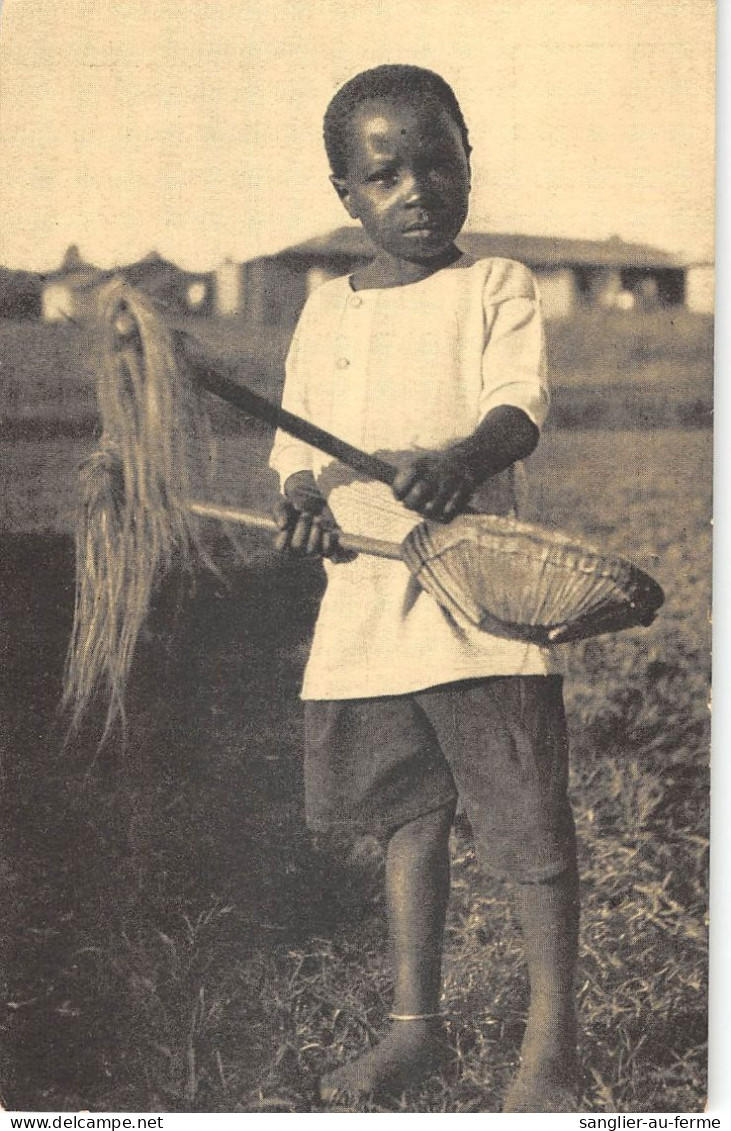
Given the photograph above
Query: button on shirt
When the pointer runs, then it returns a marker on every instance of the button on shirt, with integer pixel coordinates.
(396, 371)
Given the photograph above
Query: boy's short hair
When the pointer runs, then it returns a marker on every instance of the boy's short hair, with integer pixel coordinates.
(392, 80)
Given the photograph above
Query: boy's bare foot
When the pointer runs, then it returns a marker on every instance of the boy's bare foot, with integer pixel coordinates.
(546, 1079)
(410, 1051)
(550, 1088)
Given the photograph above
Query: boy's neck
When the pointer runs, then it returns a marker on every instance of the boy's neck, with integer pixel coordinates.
(386, 271)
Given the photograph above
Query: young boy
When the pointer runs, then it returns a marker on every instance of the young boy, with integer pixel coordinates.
(437, 362)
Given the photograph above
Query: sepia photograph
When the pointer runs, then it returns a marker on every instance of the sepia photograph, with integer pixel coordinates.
(356, 363)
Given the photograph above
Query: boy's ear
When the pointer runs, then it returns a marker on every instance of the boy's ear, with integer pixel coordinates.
(341, 188)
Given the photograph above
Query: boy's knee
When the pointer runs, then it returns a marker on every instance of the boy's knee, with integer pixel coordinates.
(566, 879)
(426, 830)
(535, 862)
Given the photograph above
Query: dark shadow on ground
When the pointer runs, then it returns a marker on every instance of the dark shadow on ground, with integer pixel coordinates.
(199, 816)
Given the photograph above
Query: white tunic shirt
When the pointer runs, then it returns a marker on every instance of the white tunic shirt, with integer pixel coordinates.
(395, 371)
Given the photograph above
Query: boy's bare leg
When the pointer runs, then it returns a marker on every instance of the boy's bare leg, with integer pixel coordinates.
(417, 892)
(549, 917)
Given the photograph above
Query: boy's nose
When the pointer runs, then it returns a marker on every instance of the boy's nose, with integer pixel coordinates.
(417, 188)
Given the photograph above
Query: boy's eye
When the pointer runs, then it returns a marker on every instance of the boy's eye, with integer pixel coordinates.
(383, 177)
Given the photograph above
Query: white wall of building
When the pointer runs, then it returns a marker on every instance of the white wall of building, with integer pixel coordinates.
(700, 285)
(229, 288)
(57, 302)
(558, 292)
(196, 295)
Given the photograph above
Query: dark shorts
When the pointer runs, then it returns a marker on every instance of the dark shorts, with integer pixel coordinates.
(497, 744)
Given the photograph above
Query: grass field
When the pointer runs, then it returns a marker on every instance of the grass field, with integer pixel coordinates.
(609, 370)
(177, 942)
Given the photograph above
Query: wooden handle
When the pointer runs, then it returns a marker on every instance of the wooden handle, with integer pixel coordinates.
(214, 380)
(355, 542)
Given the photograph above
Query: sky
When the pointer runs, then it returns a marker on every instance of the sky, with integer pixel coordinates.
(193, 127)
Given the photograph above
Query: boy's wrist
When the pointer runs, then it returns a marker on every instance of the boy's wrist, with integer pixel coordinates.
(470, 460)
(301, 490)
(506, 435)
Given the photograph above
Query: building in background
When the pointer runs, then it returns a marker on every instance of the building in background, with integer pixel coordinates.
(271, 290)
(609, 273)
(700, 286)
(20, 294)
(179, 292)
(70, 294)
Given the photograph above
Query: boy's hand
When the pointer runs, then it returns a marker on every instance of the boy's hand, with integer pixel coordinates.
(306, 524)
(437, 485)
(312, 535)
(302, 492)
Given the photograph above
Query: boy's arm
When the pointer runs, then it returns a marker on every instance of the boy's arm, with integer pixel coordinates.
(512, 407)
(440, 485)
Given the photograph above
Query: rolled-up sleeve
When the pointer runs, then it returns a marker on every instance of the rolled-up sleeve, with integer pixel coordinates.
(514, 370)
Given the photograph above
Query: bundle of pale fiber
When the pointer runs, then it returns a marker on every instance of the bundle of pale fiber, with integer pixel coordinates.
(155, 452)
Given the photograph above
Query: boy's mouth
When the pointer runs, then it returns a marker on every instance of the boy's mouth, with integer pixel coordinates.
(424, 227)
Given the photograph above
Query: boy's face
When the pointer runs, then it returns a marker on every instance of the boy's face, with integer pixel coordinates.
(408, 178)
